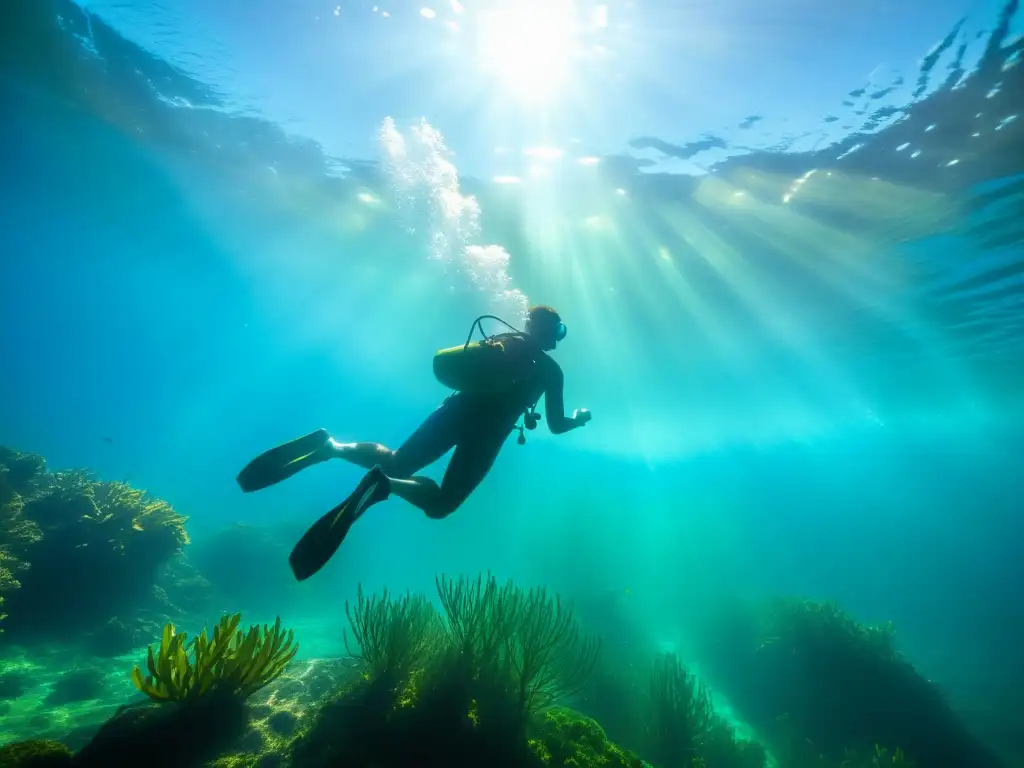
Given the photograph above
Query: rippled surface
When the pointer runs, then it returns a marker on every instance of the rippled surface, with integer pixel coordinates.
(862, 274)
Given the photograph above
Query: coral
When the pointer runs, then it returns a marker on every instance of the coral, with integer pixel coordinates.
(21, 471)
(76, 550)
(34, 754)
(234, 664)
(17, 477)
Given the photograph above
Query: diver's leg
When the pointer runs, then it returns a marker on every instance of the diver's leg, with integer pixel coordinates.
(431, 440)
(470, 464)
(365, 455)
(427, 444)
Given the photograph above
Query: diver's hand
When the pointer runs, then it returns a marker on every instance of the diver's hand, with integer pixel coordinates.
(581, 416)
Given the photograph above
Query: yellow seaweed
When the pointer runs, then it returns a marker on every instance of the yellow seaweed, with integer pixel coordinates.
(232, 662)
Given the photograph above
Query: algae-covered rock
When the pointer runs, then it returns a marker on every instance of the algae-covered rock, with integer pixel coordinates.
(166, 735)
(567, 738)
(37, 753)
(804, 672)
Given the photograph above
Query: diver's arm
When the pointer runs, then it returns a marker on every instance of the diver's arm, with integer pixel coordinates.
(554, 404)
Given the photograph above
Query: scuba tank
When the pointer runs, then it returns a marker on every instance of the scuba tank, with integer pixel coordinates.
(485, 367)
(482, 367)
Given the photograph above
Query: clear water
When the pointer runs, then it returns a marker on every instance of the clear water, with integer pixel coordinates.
(794, 297)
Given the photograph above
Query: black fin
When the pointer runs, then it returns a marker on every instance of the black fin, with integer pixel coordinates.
(322, 540)
(282, 462)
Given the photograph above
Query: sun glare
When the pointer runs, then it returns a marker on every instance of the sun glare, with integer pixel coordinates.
(527, 44)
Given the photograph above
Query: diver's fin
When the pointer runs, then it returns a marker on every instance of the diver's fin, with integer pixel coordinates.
(282, 462)
(322, 540)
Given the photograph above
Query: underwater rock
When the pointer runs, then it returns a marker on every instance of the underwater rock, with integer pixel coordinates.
(37, 753)
(283, 723)
(312, 679)
(167, 735)
(79, 685)
(79, 736)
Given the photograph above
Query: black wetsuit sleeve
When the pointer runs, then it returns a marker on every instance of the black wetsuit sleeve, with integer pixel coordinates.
(554, 401)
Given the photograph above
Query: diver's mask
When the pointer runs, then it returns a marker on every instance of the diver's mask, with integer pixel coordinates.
(560, 331)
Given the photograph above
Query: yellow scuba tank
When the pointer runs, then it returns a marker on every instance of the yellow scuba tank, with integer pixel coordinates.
(483, 367)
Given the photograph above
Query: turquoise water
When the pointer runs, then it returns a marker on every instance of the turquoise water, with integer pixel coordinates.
(799, 332)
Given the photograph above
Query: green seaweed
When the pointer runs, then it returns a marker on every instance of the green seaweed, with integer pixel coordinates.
(234, 663)
(394, 636)
(528, 638)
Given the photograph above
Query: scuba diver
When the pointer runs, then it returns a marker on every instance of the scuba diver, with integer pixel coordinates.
(496, 380)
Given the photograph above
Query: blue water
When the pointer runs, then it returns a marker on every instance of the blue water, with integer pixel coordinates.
(803, 343)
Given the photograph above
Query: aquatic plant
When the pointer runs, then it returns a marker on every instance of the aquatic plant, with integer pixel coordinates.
(680, 713)
(233, 663)
(463, 687)
(393, 636)
(531, 637)
(682, 728)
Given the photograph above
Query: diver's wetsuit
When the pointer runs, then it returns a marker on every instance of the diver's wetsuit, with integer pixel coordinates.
(476, 425)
